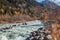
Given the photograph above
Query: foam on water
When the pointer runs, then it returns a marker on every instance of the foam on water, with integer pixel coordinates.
(3, 37)
(18, 33)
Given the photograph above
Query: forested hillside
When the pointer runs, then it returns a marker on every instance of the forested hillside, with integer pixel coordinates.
(25, 10)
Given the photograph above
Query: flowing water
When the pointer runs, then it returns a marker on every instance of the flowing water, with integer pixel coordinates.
(18, 32)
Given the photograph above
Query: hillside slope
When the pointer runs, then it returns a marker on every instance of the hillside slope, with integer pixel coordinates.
(26, 10)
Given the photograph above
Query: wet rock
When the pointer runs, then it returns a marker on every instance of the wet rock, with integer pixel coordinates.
(40, 34)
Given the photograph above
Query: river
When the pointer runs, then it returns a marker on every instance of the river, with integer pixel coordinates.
(18, 33)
